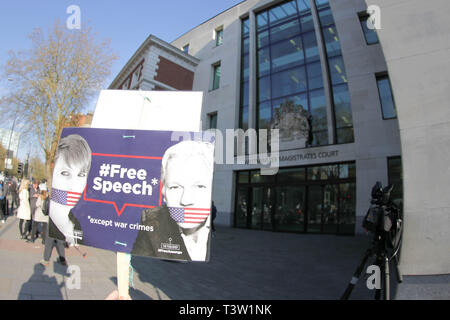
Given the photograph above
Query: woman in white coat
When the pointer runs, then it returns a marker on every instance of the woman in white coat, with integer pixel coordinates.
(24, 210)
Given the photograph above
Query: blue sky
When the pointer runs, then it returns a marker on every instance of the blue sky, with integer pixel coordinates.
(126, 23)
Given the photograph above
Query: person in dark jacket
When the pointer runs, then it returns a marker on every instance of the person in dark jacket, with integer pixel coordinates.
(3, 192)
(13, 191)
(42, 213)
(49, 244)
(213, 216)
(180, 229)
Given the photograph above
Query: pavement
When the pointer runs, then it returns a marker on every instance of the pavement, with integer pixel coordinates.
(245, 265)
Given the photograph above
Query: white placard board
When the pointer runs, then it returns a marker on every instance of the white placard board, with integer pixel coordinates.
(148, 110)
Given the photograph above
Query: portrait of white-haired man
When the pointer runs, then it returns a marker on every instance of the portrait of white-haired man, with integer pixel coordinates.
(180, 229)
(72, 165)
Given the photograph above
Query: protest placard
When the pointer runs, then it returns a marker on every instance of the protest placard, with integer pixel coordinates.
(123, 192)
(134, 191)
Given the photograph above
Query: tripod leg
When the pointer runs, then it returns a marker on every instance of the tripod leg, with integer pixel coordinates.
(387, 279)
(356, 275)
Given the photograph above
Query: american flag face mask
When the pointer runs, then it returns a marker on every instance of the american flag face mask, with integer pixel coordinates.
(66, 198)
(189, 215)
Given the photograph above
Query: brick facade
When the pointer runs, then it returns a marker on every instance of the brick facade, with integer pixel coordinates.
(174, 75)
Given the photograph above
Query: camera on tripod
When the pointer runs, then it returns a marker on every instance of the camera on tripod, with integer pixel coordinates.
(384, 219)
(384, 216)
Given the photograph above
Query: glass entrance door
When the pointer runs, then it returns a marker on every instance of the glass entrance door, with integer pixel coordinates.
(269, 208)
(291, 209)
(315, 207)
(262, 208)
(257, 205)
(330, 208)
(242, 207)
(313, 199)
(323, 208)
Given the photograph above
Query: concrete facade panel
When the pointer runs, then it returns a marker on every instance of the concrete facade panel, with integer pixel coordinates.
(415, 39)
(427, 77)
(425, 242)
(224, 203)
(413, 27)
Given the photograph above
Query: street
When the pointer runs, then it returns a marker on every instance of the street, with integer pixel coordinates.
(245, 265)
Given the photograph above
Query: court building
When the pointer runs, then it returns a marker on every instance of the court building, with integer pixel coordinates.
(353, 105)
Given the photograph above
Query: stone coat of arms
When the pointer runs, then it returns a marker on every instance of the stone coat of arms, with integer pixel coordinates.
(293, 122)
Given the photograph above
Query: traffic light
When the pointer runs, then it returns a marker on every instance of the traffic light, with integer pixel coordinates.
(20, 168)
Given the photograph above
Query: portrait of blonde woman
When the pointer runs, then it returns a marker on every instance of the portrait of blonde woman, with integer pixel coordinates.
(72, 165)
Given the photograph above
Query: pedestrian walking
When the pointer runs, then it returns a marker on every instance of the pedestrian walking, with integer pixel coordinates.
(43, 203)
(7, 185)
(13, 191)
(24, 211)
(213, 214)
(2, 201)
(49, 244)
(40, 218)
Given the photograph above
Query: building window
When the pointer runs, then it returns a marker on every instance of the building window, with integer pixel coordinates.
(288, 69)
(126, 84)
(141, 68)
(245, 73)
(289, 72)
(369, 34)
(186, 48)
(338, 76)
(216, 76)
(219, 36)
(386, 97)
(135, 77)
(321, 3)
(212, 120)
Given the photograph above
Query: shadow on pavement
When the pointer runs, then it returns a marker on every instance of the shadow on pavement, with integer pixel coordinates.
(263, 265)
(40, 283)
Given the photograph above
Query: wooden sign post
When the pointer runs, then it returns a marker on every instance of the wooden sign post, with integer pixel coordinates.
(123, 275)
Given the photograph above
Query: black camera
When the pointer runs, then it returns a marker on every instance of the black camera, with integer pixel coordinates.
(380, 195)
(384, 217)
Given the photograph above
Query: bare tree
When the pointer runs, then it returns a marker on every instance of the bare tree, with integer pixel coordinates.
(2, 157)
(54, 80)
(37, 167)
